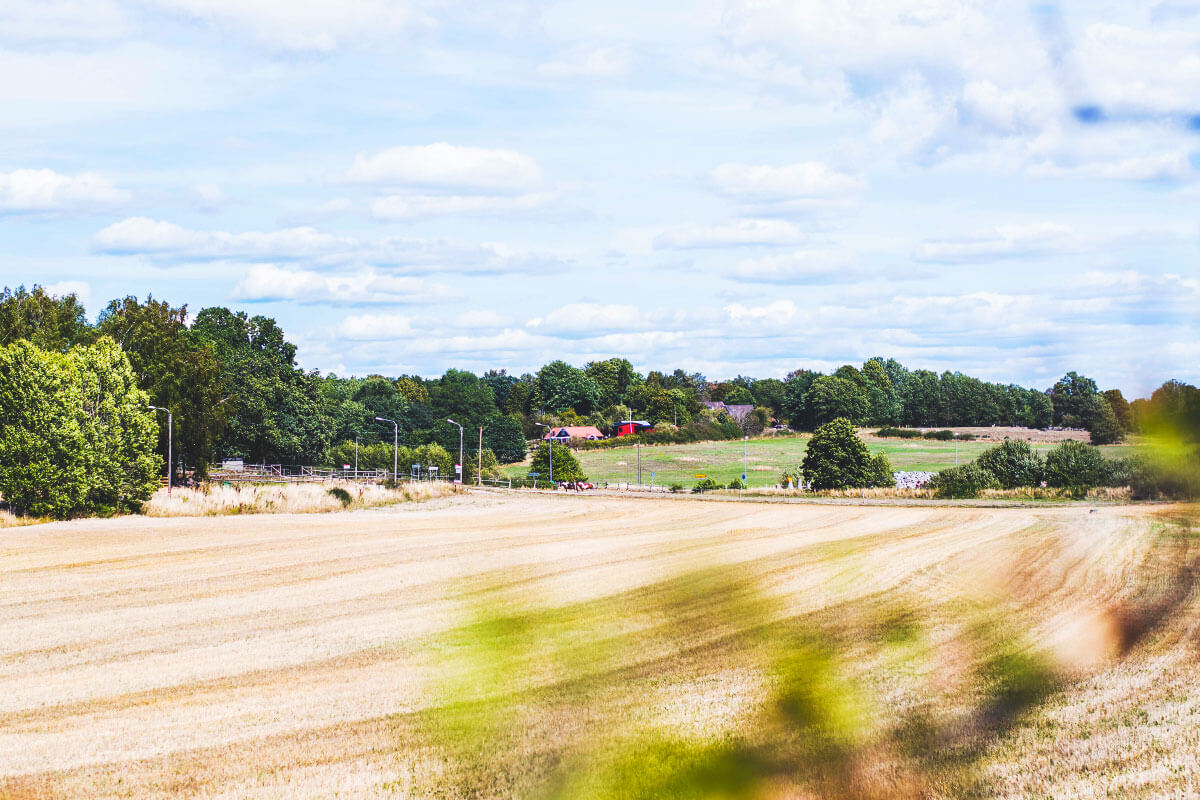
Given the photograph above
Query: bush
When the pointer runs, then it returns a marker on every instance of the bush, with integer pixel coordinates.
(566, 466)
(736, 483)
(965, 481)
(1013, 463)
(1075, 465)
(342, 495)
(898, 433)
(837, 458)
(793, 478)
(706, 485)
(1166, 477)
(880, 473)
(676, 488)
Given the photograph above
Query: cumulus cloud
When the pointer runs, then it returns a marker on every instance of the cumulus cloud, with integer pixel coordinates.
(447, 167)
(809, 183)
(780, 312)
(1005, 241)
(575, 319)
(736, 233)
(168, 241)
(62, 20)
(268, 282)
(44, 190)
(397, 207)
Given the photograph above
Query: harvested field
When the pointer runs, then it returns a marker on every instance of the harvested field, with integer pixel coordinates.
(294, 655)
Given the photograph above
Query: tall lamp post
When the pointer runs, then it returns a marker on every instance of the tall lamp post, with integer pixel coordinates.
(170, 441)
(479, 453)
(550, 444)
(460, 448)
(745, 458)
(395, 447)
(956, 448)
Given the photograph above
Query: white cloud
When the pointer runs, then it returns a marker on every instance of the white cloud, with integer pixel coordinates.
(44, 190)
(738, 232)
(395, 207)
(588, 62)
(778, 313)
(375, 327)
(207, 197)
(803, 266)
(267, 282)
(809, 181)
(145, 235)
(170, 242)
(1006, 241)
(1163, 166)
(446, 166)
(321, 25)
(574, 319)
(53, 20)
(81, 289)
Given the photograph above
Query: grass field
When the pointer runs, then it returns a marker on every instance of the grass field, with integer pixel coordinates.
(766, 458)
(287, 656)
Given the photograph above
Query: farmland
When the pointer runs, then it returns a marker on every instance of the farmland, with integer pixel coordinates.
(767, 457)
(274, 656)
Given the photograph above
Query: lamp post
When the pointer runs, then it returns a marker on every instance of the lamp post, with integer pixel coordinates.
(745, 458)
(956, 448)
(550, 444)
(395, 447)
(356, 456)
(479, 469)
(170, 441)
(460, 448)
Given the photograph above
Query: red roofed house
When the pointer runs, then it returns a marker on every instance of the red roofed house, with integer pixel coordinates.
(567, 432)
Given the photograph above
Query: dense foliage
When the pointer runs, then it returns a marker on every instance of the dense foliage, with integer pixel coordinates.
(837, 459)
(554, 461)
(76, 433)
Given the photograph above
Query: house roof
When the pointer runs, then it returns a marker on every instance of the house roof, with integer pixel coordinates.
(574, 432)
(739, 411)
(717, 406)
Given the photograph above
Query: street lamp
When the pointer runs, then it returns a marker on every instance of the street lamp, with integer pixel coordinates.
(395, 447)
(460, 448)
(956, 448)
(550, 444)
(170, 441)
(479, 454)
(745, 458)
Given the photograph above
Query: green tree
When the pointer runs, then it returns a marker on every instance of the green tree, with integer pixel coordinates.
(963, 482)
(176, 371)
(831, 397)
(882, 398)
(503, 435)
(566, 466)
(562, 386)
(1072, 398)
(612, 377)
(501, 384)
(76, 435)
(1105, 428)
(462, 396)
(1075, 465)
(739, 395)
(836, 458)
(795, 410)
(1013, 463)
(276, 412)
(1120, 407)
(51, 323)
(769, 392)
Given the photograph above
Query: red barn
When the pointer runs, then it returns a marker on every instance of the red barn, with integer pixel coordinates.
(634, 427)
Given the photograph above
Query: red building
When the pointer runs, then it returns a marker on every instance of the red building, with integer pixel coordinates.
(634, 427)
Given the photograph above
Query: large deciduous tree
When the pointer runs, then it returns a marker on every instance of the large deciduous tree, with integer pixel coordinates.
(837, 459)
(76, 435)
(51, 323)
(177, 372)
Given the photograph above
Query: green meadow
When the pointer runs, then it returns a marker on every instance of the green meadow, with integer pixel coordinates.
(765, 458)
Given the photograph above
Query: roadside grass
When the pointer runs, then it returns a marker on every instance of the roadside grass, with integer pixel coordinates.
(766, 459)
(295, 498)
(11, 520)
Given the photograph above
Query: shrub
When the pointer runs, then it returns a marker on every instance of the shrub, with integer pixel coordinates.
(1014, 463)
(706, 485)
(793, 477)
(837, 458)
(1075, 465)
(566, 466)
(1165, 476)
(898, 433)
(676, 488)
(736, 483)
(342, 495)
(965, 481)
(880, 473)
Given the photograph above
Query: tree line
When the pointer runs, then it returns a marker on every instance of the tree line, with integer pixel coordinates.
(235, 389)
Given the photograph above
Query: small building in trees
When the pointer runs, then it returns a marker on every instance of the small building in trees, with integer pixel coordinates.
(633, 427)
(567, 432)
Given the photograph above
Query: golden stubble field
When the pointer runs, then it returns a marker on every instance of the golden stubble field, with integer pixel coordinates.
(280, 656)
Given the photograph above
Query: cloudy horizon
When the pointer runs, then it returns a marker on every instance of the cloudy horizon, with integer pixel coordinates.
(729, 187)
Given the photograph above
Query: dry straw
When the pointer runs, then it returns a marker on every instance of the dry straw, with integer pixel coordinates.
(294, 498)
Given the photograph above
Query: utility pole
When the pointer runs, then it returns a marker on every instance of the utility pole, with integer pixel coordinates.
(170, 443)
(479, 470)
(956, 448)
(745, 458)
(639, 452)
(395, 448)
(356, 455)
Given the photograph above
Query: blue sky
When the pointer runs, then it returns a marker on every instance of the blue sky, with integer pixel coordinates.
(747, 186)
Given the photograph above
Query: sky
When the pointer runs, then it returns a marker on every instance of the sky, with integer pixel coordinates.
(738, 187)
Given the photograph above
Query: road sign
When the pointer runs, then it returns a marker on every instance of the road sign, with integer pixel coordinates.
(743, 477)
(700, 476)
